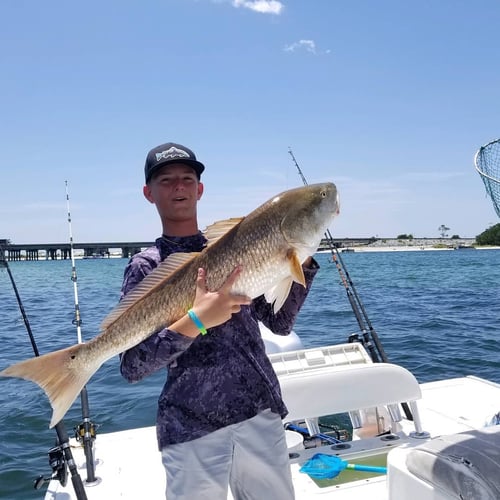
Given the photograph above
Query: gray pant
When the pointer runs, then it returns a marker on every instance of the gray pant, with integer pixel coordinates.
(250, 456)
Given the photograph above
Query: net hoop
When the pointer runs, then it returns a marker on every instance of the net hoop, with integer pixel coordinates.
(487, 164)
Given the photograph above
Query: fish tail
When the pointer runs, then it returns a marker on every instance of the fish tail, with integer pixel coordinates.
(61, 374)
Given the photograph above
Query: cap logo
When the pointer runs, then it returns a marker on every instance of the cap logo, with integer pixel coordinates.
(172, 154)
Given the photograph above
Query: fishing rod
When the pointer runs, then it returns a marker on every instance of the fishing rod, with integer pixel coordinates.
(370, 338)
(86, 431)
(60, 455)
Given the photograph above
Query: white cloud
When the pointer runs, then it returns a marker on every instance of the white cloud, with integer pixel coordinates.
(262, 6)
(307, 45)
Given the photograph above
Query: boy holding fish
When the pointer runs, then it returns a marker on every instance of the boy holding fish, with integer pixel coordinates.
(219, 420)
(191, 303)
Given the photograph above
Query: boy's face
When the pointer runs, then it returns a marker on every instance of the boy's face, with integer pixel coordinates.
(175, 190)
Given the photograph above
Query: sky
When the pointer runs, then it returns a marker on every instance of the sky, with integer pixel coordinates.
(390, 100)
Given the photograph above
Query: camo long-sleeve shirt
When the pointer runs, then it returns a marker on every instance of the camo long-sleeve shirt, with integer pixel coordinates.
(214, 380)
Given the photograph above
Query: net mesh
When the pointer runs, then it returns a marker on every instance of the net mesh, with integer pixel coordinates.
(487, 163)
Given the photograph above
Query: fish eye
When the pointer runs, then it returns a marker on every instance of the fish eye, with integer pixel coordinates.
(323, 194)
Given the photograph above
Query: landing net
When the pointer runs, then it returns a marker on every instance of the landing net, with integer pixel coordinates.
(487, 163)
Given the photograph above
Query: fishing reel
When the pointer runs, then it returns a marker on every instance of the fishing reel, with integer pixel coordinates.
(353, 338)
(85, 429)
(59, 470)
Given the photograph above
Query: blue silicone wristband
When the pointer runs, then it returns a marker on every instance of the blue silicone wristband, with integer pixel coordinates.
(197, 322)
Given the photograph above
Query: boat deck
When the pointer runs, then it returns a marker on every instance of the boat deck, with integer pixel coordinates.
(130, 466)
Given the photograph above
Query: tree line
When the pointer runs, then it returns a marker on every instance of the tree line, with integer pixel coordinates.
(489, 237)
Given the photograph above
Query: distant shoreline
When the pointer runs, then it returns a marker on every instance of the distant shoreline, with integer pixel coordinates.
(415, 246)
(410, 245)
(32, 252)
(407, 248)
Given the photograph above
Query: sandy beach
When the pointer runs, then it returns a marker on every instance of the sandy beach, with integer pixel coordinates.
(416, 245)
(413, 248)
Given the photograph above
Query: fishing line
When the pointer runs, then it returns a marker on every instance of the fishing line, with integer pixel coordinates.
(61, 454)
(86, 430)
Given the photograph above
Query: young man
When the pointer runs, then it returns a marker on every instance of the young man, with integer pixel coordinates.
(220, 410)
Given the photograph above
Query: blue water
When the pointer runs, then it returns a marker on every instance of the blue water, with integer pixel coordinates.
(436, 312)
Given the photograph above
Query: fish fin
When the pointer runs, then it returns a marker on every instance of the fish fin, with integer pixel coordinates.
(154, 279)
(59, 374)
(218, 229)
(174, 261)
(279, 293)
(296, 267)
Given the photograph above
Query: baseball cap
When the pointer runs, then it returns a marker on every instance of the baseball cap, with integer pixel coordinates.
(170, 153)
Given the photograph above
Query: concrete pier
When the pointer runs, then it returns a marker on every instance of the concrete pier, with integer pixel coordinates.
(62, 251)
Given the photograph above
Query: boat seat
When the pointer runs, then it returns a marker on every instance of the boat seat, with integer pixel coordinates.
(467, 464)
(463, 465)
(328, 390)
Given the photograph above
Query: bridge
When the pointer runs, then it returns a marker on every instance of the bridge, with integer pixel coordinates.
(57, 251)
(61, 251)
